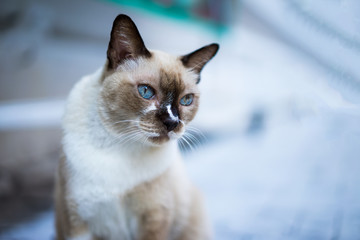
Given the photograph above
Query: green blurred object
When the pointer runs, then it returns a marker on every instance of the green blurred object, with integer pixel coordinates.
(200, 12)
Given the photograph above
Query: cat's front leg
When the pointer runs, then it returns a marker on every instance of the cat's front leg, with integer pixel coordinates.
(107, 220)
(69, 226)
(83, 236)
(154, 224)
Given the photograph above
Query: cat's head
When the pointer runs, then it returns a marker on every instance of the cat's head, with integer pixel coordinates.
(149, 96)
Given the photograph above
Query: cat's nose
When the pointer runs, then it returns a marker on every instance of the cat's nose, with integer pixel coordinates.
(170, 123)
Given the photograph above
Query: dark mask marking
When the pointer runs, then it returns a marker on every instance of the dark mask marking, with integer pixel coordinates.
(171, 86)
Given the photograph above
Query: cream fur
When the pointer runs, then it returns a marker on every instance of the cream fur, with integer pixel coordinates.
(90, 153)
(110, 188)
(94, 192)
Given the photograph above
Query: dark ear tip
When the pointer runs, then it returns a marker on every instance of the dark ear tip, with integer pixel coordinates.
(122, 18)
(215, 46)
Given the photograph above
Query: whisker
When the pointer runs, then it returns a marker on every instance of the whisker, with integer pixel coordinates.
(194, 141)
(132, 138)
(197, 131)
(188, 143)
(144, 140)
(124, 134)
(121, 121)
(131, 134)
(128, 132)
(146, 125)
(136, 138)
(147, 129)
(181, 145)
(194, 138)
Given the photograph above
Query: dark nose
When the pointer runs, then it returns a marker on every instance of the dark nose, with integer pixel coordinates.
(170, 124)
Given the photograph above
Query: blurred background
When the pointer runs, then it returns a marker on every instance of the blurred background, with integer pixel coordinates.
(279, 153)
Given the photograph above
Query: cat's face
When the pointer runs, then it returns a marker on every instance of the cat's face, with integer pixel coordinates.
(148, 96)
(155, 97)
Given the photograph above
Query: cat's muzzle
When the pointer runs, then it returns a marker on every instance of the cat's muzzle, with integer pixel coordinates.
(171, 124)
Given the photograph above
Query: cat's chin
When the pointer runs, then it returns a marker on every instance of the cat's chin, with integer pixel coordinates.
(163, 139)
(158, 141)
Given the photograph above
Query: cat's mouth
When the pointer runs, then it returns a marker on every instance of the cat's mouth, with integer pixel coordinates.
(158, 136)
(164, 137)
(159, 139)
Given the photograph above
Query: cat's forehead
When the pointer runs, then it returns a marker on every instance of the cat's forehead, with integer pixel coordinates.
(162, 70)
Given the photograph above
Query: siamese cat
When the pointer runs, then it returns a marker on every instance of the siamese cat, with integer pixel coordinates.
(121, 176)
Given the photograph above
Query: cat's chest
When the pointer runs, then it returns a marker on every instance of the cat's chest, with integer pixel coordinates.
(109, 172)
(110, 218)
(99, 179)
(101, 174)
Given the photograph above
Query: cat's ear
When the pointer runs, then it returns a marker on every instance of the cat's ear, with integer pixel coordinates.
(197, 59)
(125, 42)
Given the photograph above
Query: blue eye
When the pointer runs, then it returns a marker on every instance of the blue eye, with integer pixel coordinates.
(187, 100)
(146, 91)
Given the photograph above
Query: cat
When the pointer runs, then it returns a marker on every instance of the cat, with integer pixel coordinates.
(121, 176)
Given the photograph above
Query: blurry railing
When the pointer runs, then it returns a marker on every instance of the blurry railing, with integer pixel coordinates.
(213, 14)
